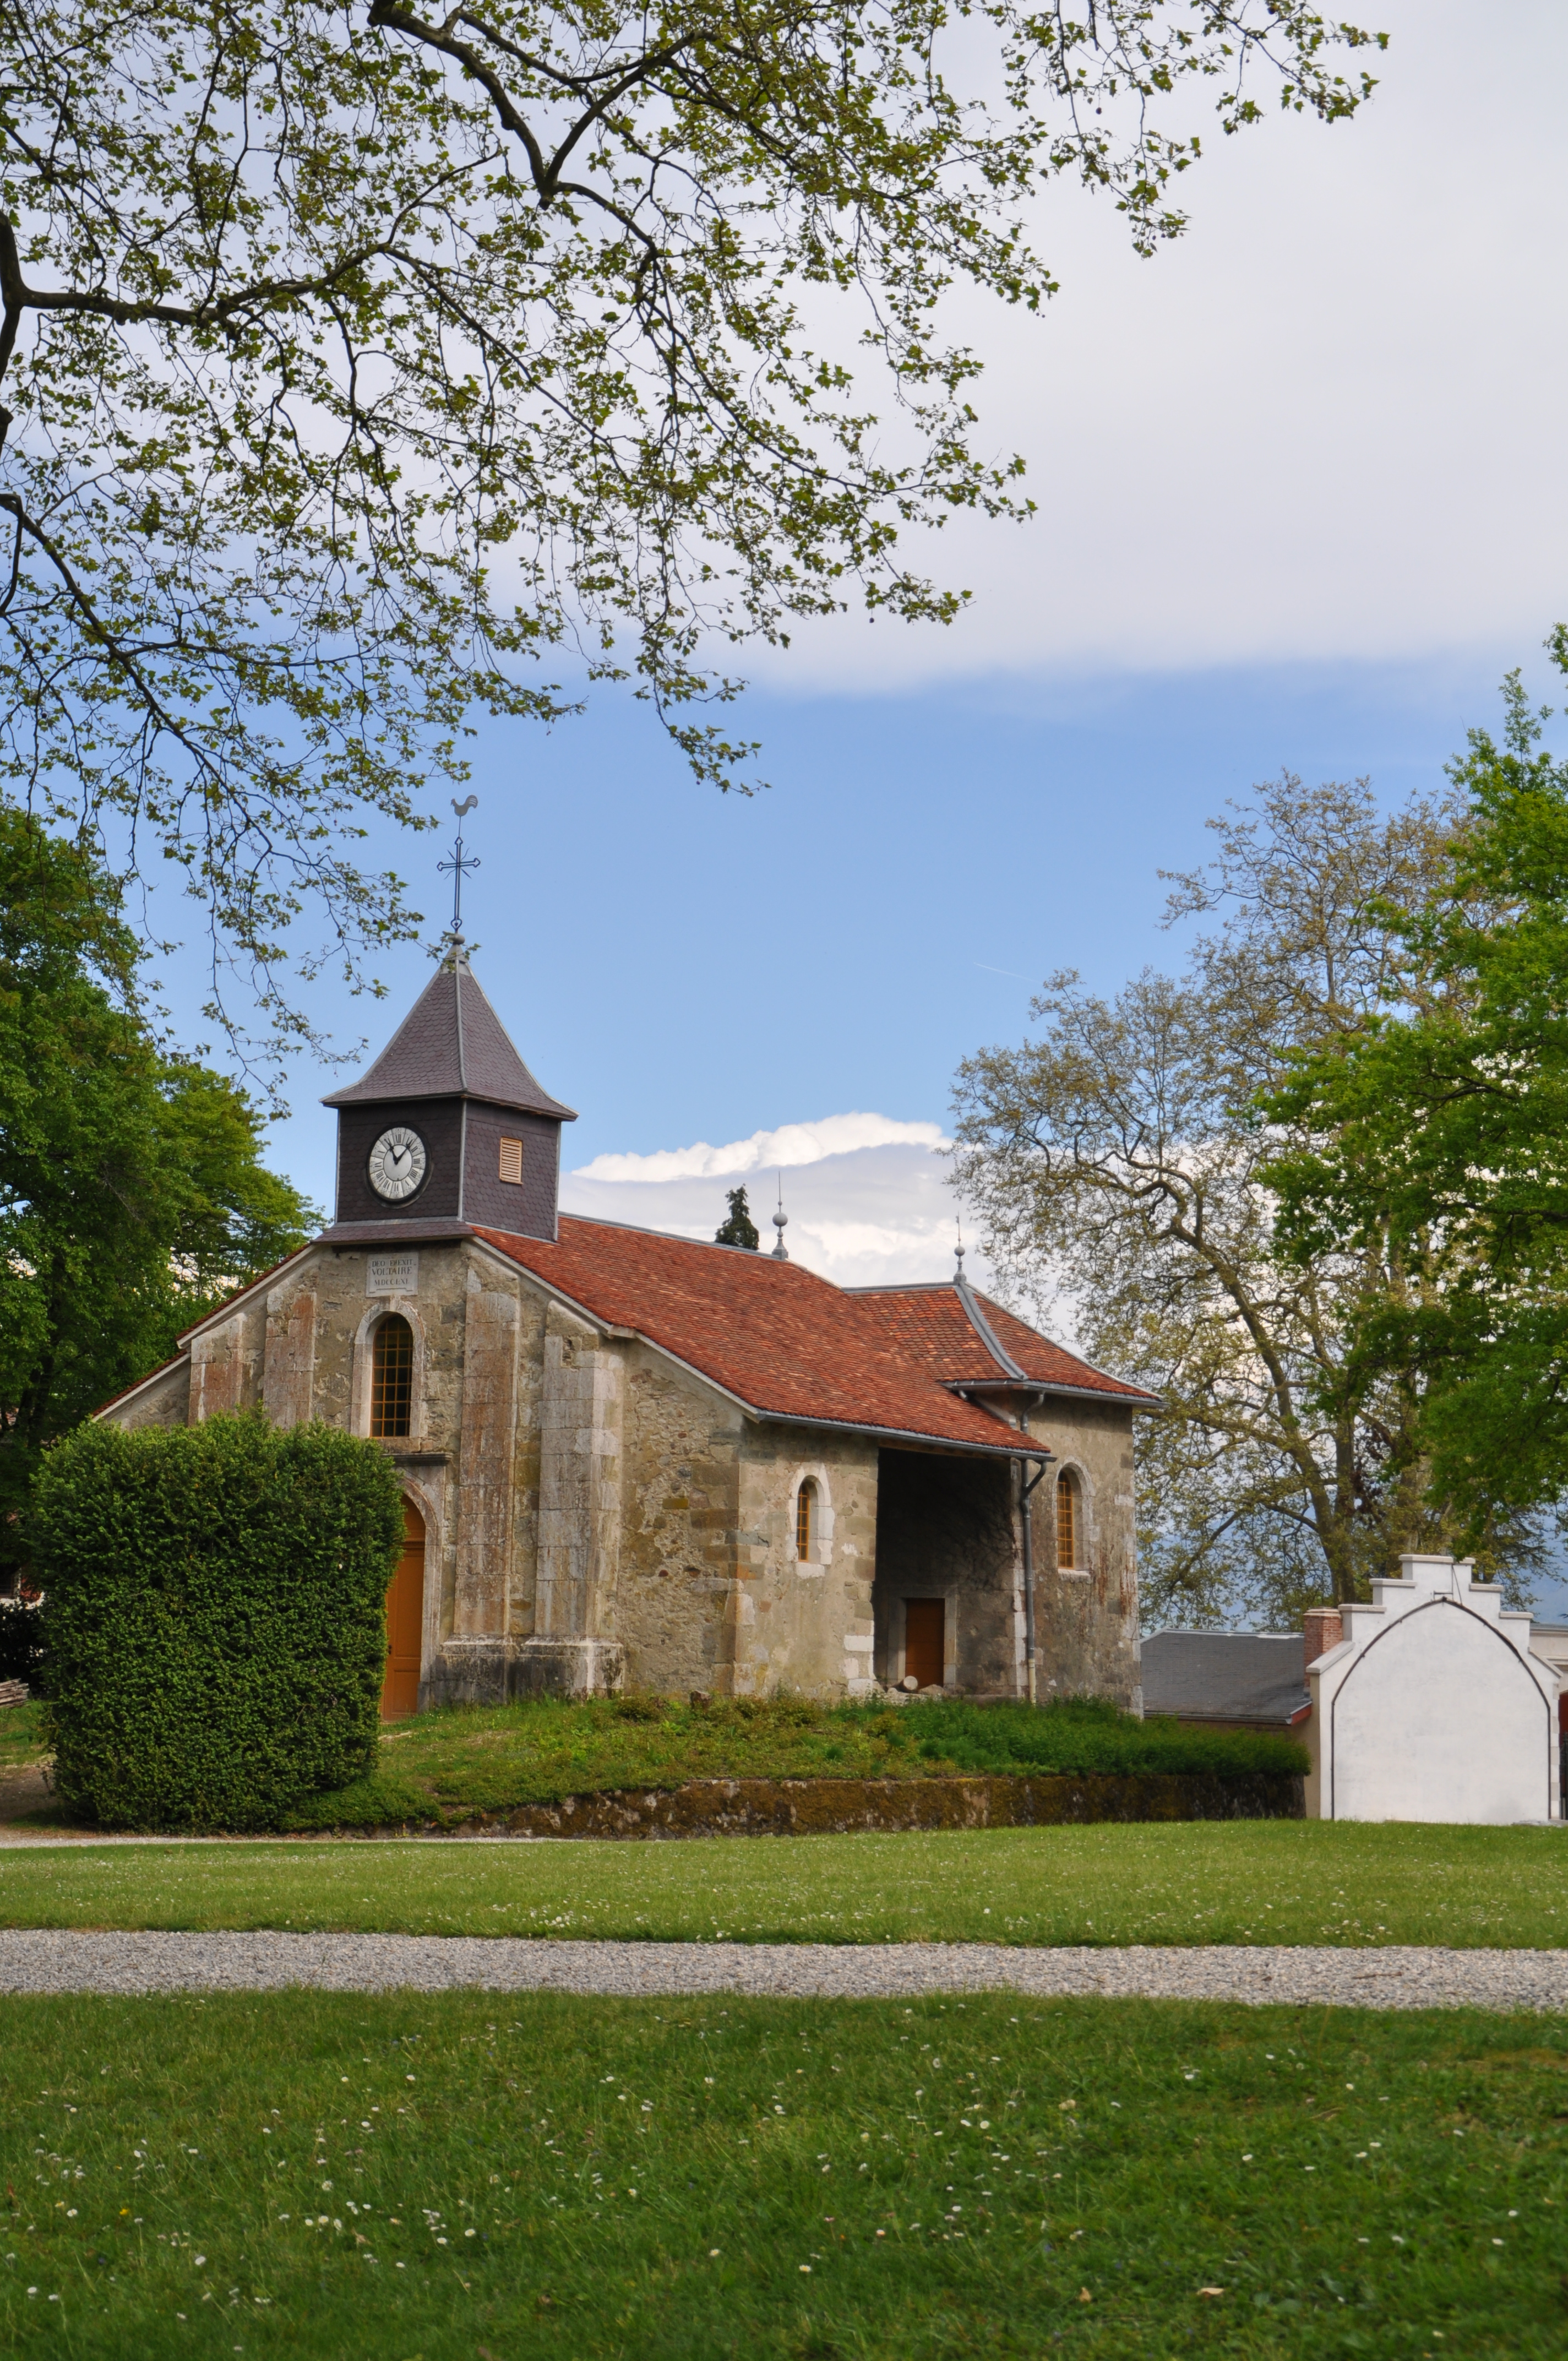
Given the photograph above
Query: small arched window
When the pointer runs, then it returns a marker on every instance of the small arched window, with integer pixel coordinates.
(1068, 1520)
(392, 1376)
(806, 1543)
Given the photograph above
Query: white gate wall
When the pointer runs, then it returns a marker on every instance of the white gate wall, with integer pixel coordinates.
(1433, 1706)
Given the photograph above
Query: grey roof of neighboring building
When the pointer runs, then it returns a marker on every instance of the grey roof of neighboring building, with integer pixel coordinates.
(451, 1045)
(1225, 1675)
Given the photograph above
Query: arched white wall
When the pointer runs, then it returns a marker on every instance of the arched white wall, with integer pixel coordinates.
(1440, 1720)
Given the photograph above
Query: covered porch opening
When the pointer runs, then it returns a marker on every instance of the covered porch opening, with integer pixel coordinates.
(944, 1601)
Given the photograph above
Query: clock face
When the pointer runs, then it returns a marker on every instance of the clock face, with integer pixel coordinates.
(397, 1164)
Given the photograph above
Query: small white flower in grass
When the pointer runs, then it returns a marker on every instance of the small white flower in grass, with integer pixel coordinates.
(1247, 2158)
(713, 2252)
(200, 2260)
(806, 2269)
(1496, 2241)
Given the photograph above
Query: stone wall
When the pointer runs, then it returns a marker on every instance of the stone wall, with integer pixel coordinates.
(804, 1626)
(166, 1401)
(1086, 1618)
(680, 1515)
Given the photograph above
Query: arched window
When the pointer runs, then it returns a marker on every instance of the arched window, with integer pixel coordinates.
(392, 1376)
(1068, 1520)
(805, 1544)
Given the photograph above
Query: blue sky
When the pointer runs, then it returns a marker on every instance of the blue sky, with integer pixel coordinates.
(681, 966)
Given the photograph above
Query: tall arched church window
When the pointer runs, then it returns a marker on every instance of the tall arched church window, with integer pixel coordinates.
(392, 1376)
(806, 1543)
(1068, 1536)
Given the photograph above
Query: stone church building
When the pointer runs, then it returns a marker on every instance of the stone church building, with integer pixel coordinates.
(631, 1457)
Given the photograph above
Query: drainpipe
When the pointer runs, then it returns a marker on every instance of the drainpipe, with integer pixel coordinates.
(1026, 1486)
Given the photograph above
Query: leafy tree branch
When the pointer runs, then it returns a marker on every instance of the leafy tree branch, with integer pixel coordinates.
(361, 367)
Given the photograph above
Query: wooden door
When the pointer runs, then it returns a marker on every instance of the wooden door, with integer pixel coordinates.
(405, 1622)
(925, 1621)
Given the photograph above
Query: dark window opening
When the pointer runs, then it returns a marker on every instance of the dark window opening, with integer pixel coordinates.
(392, 1376)
(1066, 1521)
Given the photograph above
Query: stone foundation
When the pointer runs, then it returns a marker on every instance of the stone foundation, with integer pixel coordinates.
(782, 1808)
(502, 1671)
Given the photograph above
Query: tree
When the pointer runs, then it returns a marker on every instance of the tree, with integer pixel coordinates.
(1119, 1161)
(1436, 1136)
(738, 1229)
(132, 1193)
(359, 360)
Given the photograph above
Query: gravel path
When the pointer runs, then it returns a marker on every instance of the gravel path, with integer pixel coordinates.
(40, 1961)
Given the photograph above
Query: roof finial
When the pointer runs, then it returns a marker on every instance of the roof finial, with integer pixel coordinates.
(958, 1251)
(459, 864)
(780, 1220)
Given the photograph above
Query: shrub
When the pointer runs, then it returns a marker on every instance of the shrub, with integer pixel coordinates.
(214, 1615)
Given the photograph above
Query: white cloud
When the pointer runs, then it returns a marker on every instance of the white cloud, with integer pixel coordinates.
(1324, 425)
(792, 1144)
(867, 1197)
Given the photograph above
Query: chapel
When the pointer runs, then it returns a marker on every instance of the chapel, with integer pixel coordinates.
(635, 1458)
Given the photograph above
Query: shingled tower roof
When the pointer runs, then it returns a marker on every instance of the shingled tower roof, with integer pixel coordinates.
(451, 1045)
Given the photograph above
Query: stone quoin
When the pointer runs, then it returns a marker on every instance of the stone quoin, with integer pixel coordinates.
(631, 1457)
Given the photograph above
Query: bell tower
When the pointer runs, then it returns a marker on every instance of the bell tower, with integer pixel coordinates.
(447, 1130)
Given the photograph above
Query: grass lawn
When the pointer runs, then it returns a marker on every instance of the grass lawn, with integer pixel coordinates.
(21, 1739)
(445, 1767)
(1193, 1882)
(403, 2176)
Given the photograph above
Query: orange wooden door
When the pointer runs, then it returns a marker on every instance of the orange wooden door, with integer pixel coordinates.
(923, 1623)
(405, 1622)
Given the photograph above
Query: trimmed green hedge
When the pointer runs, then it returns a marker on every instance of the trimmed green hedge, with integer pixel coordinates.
(213, 1617)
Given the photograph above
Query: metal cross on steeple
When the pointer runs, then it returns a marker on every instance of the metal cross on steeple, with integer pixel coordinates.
(460, 866)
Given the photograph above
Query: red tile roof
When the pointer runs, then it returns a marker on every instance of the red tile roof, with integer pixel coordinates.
(791, 1345)
(930, 1324)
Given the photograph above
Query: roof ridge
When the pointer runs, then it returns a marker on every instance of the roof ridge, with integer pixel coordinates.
(985, 1331)
(679, 1239)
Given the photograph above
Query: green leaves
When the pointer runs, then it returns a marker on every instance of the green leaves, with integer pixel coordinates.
(1440, 1126)
(360, 361)
(214, 1619)
(132, 1193)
